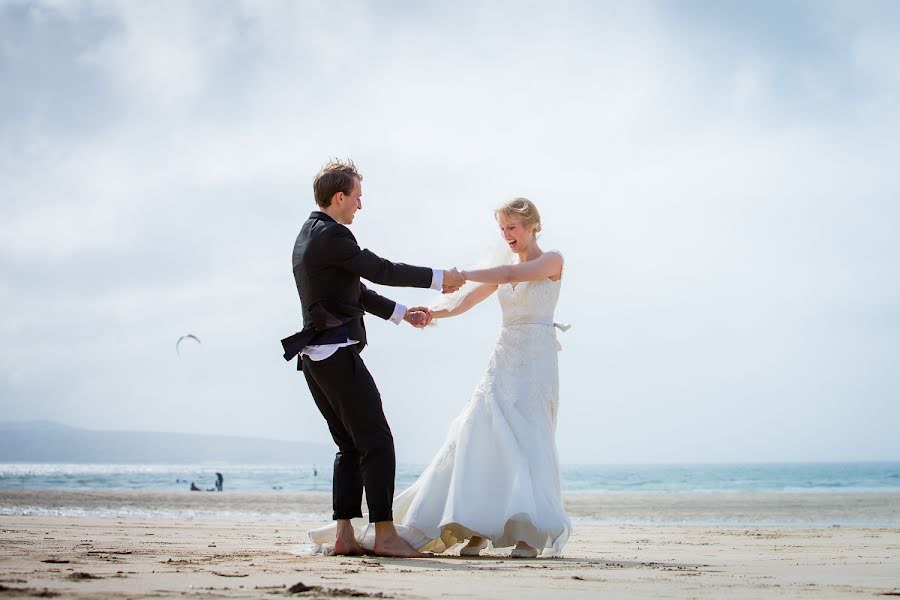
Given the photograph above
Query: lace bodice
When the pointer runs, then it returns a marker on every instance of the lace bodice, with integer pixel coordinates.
(529, 302)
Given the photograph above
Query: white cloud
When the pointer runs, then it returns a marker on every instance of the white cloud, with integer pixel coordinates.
(726, 210)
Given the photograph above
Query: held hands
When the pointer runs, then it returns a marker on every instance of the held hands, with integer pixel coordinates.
(453, 280)
(418, 316)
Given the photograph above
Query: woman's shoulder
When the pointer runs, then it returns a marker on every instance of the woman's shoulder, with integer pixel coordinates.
(556, 255)
(556, 252)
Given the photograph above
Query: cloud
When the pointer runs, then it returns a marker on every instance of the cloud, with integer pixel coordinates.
(720, 181)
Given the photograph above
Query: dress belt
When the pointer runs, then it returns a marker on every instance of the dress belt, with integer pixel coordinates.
(560, 326)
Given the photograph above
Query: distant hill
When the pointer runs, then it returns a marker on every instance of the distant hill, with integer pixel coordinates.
(46, 441)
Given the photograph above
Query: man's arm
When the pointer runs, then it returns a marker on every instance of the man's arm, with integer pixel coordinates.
(345, 253)
(378, 305)
(392, 311)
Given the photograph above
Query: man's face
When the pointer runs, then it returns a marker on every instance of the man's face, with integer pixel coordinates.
(350, 203)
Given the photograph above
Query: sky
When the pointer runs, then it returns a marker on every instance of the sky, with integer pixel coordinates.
(720, 176)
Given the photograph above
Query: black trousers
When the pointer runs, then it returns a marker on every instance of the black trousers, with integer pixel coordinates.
(347, 397)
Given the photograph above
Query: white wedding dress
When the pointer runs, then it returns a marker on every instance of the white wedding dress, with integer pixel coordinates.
(497, 474)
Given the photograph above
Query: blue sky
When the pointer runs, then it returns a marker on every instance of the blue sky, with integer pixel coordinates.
(719, 175)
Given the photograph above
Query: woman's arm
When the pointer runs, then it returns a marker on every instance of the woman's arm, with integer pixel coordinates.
(472, 298)
(548, 264)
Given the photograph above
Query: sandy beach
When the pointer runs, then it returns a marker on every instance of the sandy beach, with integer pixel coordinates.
(83, 555)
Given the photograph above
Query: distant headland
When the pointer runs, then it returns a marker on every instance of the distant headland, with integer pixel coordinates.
(48, 441)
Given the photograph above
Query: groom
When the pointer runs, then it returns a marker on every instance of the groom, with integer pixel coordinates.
(328, 264)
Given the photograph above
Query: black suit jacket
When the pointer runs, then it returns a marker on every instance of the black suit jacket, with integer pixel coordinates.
(328, 264)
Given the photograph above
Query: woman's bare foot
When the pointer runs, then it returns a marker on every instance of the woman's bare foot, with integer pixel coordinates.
(523, 550)
(474, 547)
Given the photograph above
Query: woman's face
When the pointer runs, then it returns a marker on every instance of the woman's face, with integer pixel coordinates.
(518, 236)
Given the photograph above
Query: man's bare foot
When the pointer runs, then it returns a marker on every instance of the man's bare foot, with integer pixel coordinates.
(398, 547)
(389, 543)
(350, 547)
(346, 544)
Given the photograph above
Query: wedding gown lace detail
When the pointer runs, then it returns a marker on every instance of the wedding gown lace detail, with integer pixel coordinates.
(497, 473)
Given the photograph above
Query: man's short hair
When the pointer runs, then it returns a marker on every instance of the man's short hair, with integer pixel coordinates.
(336, 176)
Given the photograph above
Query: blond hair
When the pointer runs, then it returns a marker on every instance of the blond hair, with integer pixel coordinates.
(522, 209)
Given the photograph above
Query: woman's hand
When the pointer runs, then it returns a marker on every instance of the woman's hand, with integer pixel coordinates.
(418, 316)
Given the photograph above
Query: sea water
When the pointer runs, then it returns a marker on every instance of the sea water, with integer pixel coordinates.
(667, 478)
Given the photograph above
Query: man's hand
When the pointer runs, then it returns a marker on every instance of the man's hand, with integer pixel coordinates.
(453, 280)
(418, 316)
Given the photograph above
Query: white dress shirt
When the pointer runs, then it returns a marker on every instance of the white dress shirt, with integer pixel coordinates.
(322, 352)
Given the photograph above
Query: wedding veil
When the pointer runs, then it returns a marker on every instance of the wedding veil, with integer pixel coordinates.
(497, 254)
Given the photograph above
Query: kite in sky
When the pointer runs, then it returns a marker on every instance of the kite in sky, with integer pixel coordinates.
(184, 337)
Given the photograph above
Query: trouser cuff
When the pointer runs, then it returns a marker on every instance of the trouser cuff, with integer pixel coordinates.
(346, 516)
(381, 516)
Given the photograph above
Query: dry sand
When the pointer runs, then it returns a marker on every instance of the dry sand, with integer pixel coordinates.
(91, 556)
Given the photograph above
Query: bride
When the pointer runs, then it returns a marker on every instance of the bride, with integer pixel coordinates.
(495, 481)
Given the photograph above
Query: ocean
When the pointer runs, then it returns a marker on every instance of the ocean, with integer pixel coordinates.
(610, 479)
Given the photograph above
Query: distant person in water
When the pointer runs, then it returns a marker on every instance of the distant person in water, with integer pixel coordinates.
(219, 481)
